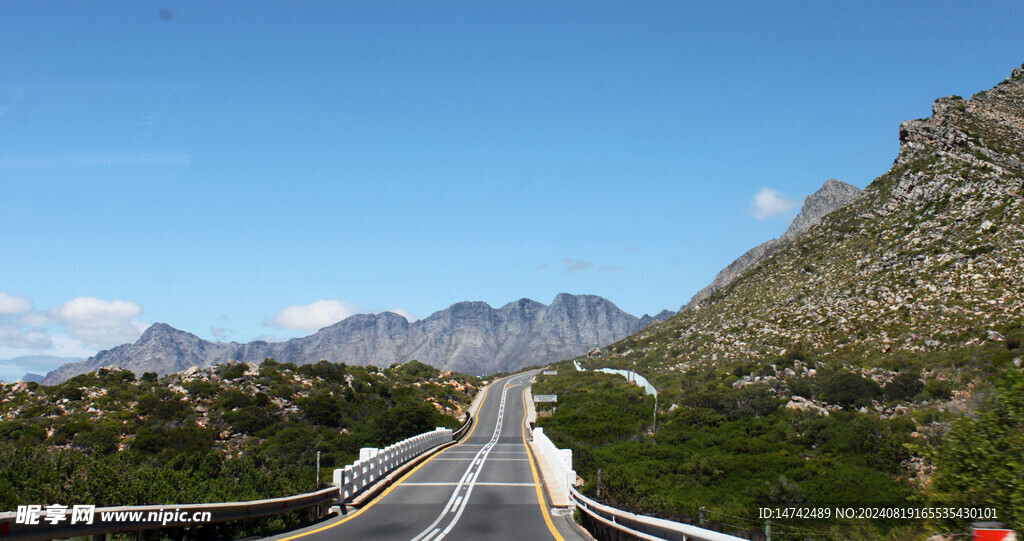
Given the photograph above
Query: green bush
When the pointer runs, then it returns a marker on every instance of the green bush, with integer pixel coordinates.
(321, 409)
(233, 371)
(325, 370)
(848, 389)
(904, 386)
(981, 459)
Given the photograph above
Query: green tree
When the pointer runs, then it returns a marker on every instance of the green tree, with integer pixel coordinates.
(321, 409)
(981, 461)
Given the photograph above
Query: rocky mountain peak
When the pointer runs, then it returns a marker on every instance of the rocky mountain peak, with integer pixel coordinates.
(929, 259)
(989, 127)
(157, 331)
(832, 195)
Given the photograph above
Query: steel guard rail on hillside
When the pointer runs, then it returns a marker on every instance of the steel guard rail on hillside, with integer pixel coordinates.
(219, 512)
(643, 526)
(463, 430)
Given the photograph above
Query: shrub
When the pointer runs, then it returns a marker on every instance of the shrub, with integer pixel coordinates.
(321, 409)
(233, 371)
(325, 370)
(938, 389)
(979, 460)
(904, 386)
(848, 389)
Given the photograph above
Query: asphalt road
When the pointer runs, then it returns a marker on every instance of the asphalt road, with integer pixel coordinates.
(483, 488)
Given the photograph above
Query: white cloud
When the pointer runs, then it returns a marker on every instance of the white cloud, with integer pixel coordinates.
(575, 265)
(768, 203)
(14, 304)
(77, 328)
(314, 316)
(16, 335)
(99, 323)
(221, 333)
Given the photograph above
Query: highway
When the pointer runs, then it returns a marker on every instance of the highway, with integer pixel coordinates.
(483, 488)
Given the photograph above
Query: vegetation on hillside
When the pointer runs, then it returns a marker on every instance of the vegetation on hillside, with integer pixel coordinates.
(819, 437)
(874, 359)
(229, 433)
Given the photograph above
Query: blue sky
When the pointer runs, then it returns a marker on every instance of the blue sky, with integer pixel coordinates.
(256, 169)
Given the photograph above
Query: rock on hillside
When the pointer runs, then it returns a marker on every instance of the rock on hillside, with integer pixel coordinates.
(832, 196)
(929, 258)
(470, 337)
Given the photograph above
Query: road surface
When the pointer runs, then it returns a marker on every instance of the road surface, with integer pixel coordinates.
(482, 488)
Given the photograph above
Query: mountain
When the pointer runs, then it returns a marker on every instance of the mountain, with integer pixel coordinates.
(832, 196)
(880, 349)
(469, 337)
(24, 368)
(927, 260)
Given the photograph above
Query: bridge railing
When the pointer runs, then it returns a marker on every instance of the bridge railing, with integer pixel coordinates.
(373, 464)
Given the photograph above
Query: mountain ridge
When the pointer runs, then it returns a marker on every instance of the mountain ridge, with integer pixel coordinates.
(468, 336)
(832, 195)
(929, 258)
(882, 346)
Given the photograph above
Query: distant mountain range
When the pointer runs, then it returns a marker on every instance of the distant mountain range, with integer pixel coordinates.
(13, 369)
(468, 337)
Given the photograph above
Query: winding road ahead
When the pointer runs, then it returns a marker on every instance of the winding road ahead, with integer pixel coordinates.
(486, 487)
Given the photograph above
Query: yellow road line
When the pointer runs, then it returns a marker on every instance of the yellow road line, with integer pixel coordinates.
(396, 483)
(536, 479)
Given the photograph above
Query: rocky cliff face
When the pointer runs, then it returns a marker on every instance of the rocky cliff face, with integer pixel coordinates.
(470, 337)
(929, 259)
(832, 196)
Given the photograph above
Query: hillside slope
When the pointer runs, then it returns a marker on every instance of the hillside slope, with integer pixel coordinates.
(880, 349)
(832, 196)
(929, 258)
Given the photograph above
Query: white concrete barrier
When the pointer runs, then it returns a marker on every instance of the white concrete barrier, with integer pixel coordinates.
(559, 460)
(376, 463)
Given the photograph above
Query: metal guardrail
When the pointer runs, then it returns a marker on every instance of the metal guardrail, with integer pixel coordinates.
(150, 517)
(643, 526)
(463, 430)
